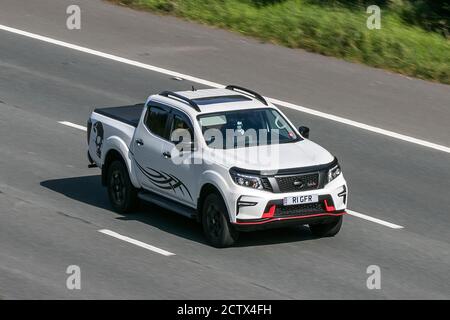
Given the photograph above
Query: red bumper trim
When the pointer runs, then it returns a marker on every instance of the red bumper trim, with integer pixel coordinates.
(327, 207)
(270, 213)
(328, 214)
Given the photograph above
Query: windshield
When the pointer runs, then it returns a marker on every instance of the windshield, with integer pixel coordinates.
(243, 128)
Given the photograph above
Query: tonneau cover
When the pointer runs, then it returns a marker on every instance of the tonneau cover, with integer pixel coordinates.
(127, 114)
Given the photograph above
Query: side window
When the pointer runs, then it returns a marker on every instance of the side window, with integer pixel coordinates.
(156, 120)
(184, 129)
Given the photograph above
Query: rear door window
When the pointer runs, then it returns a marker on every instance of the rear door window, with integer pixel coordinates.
(156, 120)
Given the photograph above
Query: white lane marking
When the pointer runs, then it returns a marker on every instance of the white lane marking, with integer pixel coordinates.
(317, 113)
(136, 242)
(363, 126)
(109, 56)
(350, 212)
(73, 125)
(369, 218)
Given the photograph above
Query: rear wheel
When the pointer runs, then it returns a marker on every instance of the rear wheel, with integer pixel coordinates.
(329, 229)
(122, 194)
(218, 230)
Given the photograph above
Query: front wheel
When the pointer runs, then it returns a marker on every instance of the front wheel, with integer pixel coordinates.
(329, 229)
(122, 194)
(218, 230)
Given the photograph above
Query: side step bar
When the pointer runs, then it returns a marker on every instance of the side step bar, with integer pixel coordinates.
(168, 204)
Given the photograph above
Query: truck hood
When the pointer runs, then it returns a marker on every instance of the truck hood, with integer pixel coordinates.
(304, 153)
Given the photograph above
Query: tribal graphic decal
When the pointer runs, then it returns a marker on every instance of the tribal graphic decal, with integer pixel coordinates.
(164, 180)
(98, 130)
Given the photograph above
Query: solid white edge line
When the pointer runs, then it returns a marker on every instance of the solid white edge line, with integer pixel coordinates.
(317, 113)
(372, 219)
(73, 125)
(136, 242)
(362, 126)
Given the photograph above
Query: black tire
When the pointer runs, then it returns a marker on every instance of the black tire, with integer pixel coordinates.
(217, 228)
(329, 229)
(122, 194)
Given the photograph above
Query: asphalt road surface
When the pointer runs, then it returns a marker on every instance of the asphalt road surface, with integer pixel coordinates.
(52, 206)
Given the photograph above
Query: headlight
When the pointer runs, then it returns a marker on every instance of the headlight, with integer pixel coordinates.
(334, 172)
(246, 180)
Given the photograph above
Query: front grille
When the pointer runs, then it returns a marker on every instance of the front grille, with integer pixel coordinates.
(300, 209)
(266, 184)
(298, 182)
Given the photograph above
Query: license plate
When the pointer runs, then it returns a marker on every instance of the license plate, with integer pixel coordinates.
(289, 201)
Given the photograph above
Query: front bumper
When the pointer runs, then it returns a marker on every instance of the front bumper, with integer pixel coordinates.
(269, 223)
(262, 209)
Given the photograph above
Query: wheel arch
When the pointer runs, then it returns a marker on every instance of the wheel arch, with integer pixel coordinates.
(116, 148)
(207, 189)
(111, 156)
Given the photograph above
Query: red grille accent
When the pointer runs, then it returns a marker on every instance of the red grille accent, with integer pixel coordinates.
(270, 213)
(327, 207)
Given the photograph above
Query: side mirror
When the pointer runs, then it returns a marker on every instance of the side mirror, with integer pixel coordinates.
(304, 131)
(210, 140)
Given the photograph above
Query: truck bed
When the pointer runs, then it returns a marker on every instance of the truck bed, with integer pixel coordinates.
(127, 114)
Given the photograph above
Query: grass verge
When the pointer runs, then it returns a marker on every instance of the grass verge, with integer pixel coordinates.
(330, 30)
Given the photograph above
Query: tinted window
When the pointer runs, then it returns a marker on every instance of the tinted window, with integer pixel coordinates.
(180, 123)
(156, 120)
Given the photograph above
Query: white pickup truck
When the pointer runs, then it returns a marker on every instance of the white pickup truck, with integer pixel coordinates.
(226, 157)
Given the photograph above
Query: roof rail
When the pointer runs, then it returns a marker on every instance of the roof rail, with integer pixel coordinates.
(169, 94)
(248, 91)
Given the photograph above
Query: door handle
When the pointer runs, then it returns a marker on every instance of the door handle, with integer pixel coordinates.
(167, 155)
(139, 142)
